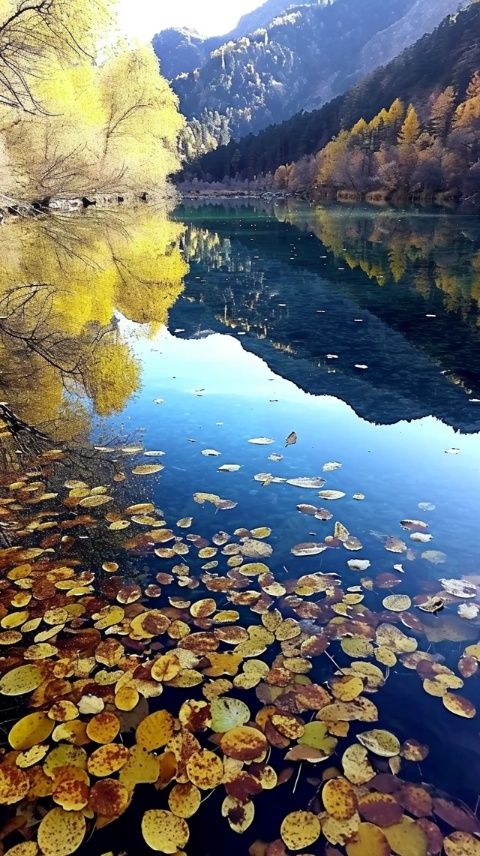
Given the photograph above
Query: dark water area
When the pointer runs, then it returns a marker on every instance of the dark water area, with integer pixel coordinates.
(359, 332)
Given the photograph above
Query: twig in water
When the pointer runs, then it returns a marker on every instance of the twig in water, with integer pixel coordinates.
(298, 778)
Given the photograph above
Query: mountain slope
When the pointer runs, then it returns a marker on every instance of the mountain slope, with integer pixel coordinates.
(448, 56)
(299, 60)
(181, 50)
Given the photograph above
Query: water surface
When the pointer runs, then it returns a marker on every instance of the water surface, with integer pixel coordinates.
(357, 330)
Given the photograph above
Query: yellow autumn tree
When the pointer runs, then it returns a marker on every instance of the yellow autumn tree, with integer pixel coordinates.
(142, 122)
(410, 130)
(80, 112)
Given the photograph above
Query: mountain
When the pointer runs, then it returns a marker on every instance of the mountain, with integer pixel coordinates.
(301, 57)
(447, 57)
(181, 50)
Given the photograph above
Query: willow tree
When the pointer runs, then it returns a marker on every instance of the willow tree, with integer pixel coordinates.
(80, 111)
(36, 33)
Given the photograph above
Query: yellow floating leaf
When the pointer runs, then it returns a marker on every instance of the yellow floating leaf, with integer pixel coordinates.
(61, 832)
(141, 768)
(184, 800)
(205, 769)
(14, 784)
(26, 848)
(397, 602)
(316, 736)
(31, 729)
(31, 756)
(406, 838)
(65, 755)
(164, 831)
(339, 799)
(107, 759)
(71, 794)
(346, 688)
(243, 743)
(155, 730)
(356, 765)
(22, 680)
(461, 844)
(227, 713)
(299, 829)
(459, 705)
(95, 501)
(381, 742)
(147, 469)
(240, 814)
(103, 728)
(339, 831)
(126, 698)
(357, 646)
(368, 840)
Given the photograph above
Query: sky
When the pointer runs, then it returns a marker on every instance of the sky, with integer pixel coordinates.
(144, 18)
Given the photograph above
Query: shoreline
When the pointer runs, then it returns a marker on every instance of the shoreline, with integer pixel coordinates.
(375, 202)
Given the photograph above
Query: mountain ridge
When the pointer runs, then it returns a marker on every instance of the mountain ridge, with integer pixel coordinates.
(448, 56)
(301, 58)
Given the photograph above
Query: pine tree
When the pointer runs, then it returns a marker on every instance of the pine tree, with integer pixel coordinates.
(410, 130)
(442, 111)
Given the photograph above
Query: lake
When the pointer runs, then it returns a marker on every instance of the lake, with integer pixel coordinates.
(310, 371)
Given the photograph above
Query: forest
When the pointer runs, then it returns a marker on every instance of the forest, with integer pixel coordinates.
(81, 111)
(398, 155)
(411, 128)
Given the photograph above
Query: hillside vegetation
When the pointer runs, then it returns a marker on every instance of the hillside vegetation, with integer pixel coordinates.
(368, 128)
(285, 58)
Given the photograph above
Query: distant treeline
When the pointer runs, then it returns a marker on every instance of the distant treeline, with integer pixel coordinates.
(436, 75)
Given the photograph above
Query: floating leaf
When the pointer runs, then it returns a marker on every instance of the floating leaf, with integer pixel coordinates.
(239, 813)
(31, 729)
(307, 482)
(109, 798)
(356, 765)
(461, 844)
(227, 713)
(291, 439)
(205, 769)
(368, 840)
(61, 832)
(147, 469)
(243, 743)
(397, 602)
(184, 800)
(95, 501)
(311, 548)
(315, 736)
(299, 829)
(459, 705)
(339, 799)
(164, 831)
(406, 838)
(14, 784)
(22, 680)
(381, 742)
(331, 494)
(155, 730)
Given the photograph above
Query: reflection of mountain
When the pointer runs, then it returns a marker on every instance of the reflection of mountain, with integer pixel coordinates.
(298, 308)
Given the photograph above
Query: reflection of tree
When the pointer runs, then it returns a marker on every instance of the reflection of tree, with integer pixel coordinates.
(430, 253)
(60, 286)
